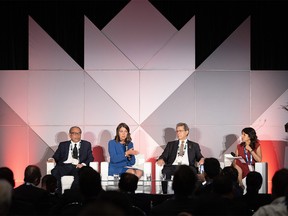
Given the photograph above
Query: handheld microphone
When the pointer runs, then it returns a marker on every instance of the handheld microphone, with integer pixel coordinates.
(233, 154)
(126, 149)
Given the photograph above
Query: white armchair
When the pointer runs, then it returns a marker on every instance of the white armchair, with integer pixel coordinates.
(67, 181)
(261, 167)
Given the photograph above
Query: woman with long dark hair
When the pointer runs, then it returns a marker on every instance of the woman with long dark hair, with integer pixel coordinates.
(250, 151)
(122, 153)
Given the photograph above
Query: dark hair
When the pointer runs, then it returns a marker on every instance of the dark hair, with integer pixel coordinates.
(252, 135)
(231, 172)
(254, 181)
(212, 167)
(89, 182)
(279, 183)
(128, 138)
(222, 185)
(32, 174)
(128, 182)
(50, 182)
(7, 174)
(184, 181)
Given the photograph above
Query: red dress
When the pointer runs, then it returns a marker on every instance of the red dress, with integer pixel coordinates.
(244, 166)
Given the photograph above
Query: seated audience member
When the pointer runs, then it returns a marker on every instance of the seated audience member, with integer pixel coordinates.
(122, 153)
(7, 174)
(233, 174)
(183, 201)
(70, 156)
(5, 197)
(221, 201)
(212, 169)
(128, 184)
(30, 193)
(253, 199)
(250, 151)
(74, 200)
(49, 183)
(89, 184)
(279, 195)
(108, 203)
(18, 207)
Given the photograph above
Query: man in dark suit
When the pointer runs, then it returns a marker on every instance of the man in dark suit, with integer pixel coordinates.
(179, 152)
(70, 156)
(28, 198)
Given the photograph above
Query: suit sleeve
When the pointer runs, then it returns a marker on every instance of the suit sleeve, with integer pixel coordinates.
(198, 152)
(60, 154)
(166, 153)
(89, 156)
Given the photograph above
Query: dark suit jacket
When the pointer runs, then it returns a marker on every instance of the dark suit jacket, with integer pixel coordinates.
(170, 152)
(37, 197)
(85, 152)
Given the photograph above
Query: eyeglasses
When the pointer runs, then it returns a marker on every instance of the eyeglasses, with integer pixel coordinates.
(75, 133)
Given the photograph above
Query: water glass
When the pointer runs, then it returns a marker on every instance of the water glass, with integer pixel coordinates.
(148, 176)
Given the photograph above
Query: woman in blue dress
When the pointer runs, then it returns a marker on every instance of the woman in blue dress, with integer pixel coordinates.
(122, 153)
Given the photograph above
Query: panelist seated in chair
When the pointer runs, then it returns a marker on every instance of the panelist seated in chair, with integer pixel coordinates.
(179, 152)
(122, 153)
(70, 156)
(250, 151)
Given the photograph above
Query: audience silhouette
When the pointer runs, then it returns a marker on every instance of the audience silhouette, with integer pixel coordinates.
(279, 195)
(219, 195)
(252, 197)
(183, 201)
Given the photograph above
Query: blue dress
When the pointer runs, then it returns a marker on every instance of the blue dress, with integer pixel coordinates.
(118, 161)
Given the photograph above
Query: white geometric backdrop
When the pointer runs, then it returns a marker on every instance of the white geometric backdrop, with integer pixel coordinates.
(140, 70)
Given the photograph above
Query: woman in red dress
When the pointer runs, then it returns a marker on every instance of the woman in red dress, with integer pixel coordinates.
(250, 151)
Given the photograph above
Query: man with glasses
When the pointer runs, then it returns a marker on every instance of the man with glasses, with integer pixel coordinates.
(179, 152)
(70, 156)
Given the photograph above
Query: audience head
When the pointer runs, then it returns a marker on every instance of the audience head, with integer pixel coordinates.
(128, 182)
(49, 183)
(212, 167)
(223, 186)
(32, 175)
(231, 172)
(5, 196)
(108, 203)
(89, 182)
(184, 181)
(280, 183)
(254, 181)
(7, 174)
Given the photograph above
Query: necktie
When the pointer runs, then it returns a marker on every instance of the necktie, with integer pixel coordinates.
(181, 152)
(75, 152)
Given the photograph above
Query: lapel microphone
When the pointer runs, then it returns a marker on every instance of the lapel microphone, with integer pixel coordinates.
(126, 149)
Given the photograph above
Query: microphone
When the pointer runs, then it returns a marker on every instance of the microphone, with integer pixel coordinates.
(126, 149)
(233, 154)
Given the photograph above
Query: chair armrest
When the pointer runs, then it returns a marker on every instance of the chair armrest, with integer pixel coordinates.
(49, 167)
(147, 170)
(104, 170)
(94, 165)
(262, 168)
(158, 171)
